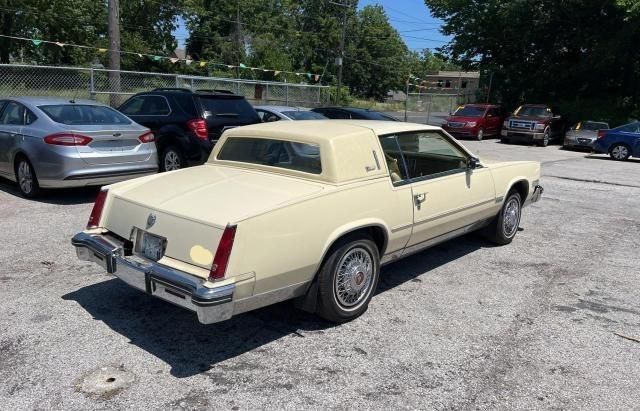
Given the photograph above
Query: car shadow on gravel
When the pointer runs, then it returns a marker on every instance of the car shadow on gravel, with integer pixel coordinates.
(174, 334)
(63, 196)
(606, 157)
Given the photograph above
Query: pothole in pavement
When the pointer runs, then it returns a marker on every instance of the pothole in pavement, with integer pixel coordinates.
(106, 381)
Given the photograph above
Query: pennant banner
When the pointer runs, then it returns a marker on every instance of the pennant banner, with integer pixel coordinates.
(188, 61)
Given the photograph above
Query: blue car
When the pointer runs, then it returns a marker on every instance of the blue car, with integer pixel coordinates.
(620, 142)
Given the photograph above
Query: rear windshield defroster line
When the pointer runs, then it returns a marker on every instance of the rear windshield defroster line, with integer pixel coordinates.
(271, 152)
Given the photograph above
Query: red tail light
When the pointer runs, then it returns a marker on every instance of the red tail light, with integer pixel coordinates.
(199, 128)
(96, 212)
(147, 137)
(67, 139)
(602, 133)
(220, 261)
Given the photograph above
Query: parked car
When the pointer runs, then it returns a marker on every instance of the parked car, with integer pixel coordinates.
(54, 143)
(584, 134)
(475, 121)
(620, 142)
(188, 124)
(277, 113)
(263, 222)
(534, 123)
(352, 113)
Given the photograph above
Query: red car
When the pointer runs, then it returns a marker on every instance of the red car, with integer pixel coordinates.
(475, 121)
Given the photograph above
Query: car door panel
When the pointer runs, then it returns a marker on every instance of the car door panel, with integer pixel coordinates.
(11, 123)
(449, 203)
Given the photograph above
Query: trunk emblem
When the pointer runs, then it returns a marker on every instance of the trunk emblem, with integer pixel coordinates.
(117, 134)
(151, 220)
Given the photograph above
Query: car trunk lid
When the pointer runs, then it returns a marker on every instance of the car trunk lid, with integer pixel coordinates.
(191, 207)
(111, 145)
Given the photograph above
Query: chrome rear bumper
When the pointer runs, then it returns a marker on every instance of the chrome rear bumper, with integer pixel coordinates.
(185, 290)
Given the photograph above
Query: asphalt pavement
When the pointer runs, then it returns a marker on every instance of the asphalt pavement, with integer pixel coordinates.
(551, 321)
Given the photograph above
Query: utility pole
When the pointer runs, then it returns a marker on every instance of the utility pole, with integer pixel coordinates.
(340, 60)
(114, 51)
(238, 38)
(490, 84)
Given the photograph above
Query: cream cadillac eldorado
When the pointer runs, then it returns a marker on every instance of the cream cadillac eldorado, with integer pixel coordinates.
(304, 209)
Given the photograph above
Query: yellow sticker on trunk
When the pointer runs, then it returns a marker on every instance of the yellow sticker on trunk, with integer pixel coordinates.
(201, 255)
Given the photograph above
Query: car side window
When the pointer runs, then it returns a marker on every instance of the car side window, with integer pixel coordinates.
(429, 154)
(155, 106)
(267, 117)
(341, 114)
(13, 114)
(393, 158)
(631, 128)
(133, 106)
(29, 117)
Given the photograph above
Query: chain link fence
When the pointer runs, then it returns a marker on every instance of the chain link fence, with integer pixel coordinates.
(114, 87)
(432, 108)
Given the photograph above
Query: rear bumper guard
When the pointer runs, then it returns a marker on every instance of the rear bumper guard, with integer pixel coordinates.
(211, 304)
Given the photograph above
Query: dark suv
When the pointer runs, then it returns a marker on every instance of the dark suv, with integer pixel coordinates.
(186, 123)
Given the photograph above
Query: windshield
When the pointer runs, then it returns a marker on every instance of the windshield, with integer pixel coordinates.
(237, 108)
(533, 111)
(275, 153)
(469, 111)
(78, 114)
(304, 115)
(591, 126)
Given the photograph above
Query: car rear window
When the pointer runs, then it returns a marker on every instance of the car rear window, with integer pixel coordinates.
(83, 114)
(304, 115)
(237, 108)
(275, 153)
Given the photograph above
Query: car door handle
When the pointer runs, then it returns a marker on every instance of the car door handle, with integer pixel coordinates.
(419, 198)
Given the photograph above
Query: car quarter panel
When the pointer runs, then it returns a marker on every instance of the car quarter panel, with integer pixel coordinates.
(286, 246)
(507, 174)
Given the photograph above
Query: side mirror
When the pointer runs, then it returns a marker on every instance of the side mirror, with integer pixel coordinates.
(473, 163)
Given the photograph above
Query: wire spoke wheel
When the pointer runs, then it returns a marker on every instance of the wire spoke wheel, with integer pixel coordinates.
(511, 217)
(25, 177)
(354, 278)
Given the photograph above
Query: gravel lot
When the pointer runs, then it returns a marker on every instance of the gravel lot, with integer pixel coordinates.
(464, 325)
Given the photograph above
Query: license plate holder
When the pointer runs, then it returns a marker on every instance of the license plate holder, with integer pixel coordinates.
(150, 246)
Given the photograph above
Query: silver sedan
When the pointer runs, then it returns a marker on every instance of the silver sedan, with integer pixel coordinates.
(276, 113)
(55, 143)
(584, 134)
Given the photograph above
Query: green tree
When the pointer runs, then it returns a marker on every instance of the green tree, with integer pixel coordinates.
(374, 62)
(580, 54)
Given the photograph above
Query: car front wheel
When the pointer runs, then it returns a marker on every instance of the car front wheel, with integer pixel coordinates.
(26, 178)
(546, 138)
(505, 226)
(480, 135)
(347, 279)
(620, 152)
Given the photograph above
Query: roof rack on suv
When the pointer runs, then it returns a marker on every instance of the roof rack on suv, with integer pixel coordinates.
(215, 91)
(186, 90)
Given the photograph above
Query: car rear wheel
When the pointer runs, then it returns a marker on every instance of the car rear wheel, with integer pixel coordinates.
(172, 159)
(480, 135)
(26, 178)
(505, 226)
(620, 152)
(347, 279)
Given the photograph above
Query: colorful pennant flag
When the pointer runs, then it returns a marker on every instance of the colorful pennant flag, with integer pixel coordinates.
(36, 42)
(173, 60)
(102, 50)
(242, 65)
(203, 63)
(60, 44)
(157, 58)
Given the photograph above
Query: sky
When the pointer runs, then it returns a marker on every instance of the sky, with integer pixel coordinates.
(410, 17)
